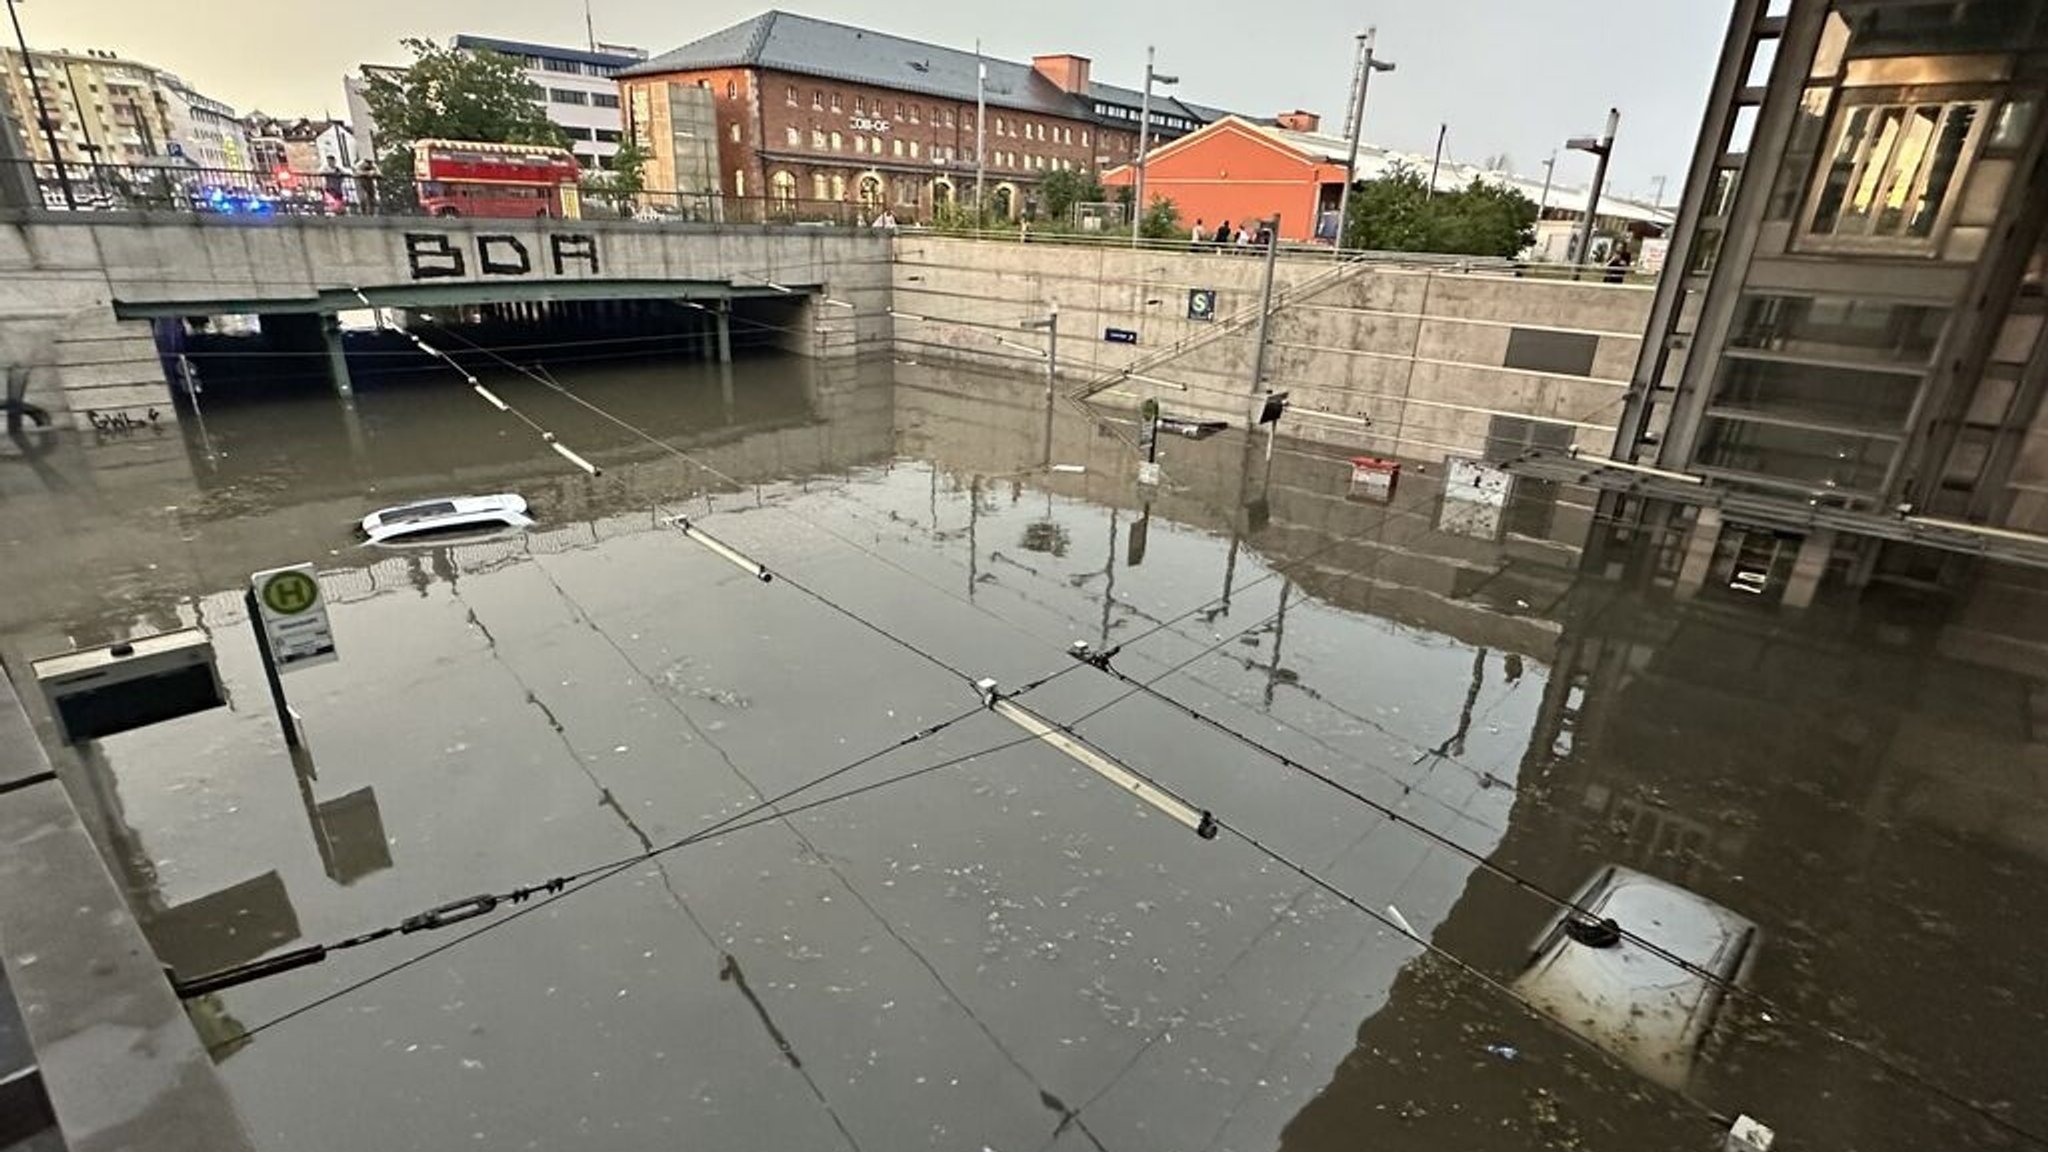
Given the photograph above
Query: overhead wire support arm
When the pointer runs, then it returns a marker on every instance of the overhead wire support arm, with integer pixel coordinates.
(720, 548)
(1197, 820)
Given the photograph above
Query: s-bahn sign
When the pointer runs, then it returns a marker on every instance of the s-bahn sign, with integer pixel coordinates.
(456, 256)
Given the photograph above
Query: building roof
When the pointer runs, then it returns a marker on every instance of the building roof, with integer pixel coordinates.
(1374, 162)
(788, 42)
(547, 51)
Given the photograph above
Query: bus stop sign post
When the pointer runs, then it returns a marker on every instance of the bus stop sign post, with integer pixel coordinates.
(289, 616)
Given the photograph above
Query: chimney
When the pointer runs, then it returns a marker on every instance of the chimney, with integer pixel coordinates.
(1299, 121)
(1068, 72)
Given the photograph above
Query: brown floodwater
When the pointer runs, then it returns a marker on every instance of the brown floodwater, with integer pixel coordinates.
(1007, 953)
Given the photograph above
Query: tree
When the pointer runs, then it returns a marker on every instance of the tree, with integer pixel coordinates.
(1390, 214)
(1162, 221)
(453, 94)
(1485, 220)
(1061, 190)
(1396, 213)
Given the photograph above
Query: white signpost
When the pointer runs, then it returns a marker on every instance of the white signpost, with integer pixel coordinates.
(290, 618)
(294, 616)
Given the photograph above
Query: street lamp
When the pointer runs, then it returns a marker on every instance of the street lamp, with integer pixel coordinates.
(35, 88)
(1144, 133)
(1367, 65)
(1603, 150)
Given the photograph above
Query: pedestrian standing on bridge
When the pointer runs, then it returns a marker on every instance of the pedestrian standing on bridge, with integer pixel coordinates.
(1196, 236)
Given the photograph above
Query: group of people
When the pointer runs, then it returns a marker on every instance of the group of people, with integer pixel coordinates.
(1250, 234)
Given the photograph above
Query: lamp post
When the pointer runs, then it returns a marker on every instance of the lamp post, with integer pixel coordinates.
(35, 88)
(1144, 134)
(1603, 150)
(1367, 65)
(980, 127)
(1051, 327)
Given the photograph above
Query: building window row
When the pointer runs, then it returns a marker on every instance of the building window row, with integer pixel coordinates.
(909, 113)
(568, 96)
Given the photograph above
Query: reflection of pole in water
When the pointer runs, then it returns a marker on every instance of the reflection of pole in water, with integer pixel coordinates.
(1279, 638)
(973, 548)
(1109, 578)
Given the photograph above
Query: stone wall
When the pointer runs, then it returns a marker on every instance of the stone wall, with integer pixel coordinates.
(1437, 360)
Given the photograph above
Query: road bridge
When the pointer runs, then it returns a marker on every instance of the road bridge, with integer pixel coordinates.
(79, 293)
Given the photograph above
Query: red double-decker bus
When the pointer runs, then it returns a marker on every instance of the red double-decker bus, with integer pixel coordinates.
(470, 178)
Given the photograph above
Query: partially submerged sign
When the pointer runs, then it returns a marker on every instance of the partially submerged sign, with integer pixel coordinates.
(294, 616)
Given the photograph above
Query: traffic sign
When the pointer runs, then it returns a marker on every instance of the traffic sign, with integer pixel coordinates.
(294, 616)
(1201, 303)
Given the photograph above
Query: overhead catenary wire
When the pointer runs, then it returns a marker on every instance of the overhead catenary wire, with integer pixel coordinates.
(528, 898)
(1568, 907)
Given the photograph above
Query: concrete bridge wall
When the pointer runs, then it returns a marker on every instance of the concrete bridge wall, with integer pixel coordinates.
(76, 298)
(1439, 361)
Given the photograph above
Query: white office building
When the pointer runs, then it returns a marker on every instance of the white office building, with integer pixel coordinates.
(577, 87)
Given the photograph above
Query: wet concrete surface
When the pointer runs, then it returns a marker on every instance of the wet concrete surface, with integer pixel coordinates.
(1007, 953)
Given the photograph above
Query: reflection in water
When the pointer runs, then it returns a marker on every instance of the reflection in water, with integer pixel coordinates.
(948, 956)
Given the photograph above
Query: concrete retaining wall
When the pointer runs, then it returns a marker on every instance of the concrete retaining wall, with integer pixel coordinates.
(73, 295)
(1424, 355)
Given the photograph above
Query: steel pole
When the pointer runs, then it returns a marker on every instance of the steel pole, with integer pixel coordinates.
(1604, 153)
(35, 88)
(1442, 130)
(980, 131)
(1265, 306)
(1052, 367)
(1356, 127)
(1144, 134)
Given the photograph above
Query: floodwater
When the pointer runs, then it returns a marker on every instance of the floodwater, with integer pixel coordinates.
(1006, 952)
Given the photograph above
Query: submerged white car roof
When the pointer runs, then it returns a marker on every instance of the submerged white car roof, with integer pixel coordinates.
(502, 510)
(1647, 1011)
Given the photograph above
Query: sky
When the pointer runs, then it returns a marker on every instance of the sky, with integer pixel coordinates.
(1508, 76)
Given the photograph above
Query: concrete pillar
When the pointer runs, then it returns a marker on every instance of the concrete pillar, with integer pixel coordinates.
(1699, 552)
(337, 355)
(1808, 567)
(725, 331)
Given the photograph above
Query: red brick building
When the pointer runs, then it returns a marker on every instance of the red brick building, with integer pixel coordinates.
(811, 111)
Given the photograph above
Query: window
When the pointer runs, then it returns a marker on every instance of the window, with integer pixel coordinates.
(860, 143)
(896, 146)
(835, 142)
(820, 189)
(817, 99)
(782, 186)
(789, 96)
(817, 138)
(860, 105)
(1890, 171)
(792, 137)
(732, 90)
(611, 135)
(604, 100)
(899, 110)
(1837, 329)
(566, 67)
(734, 133)
(949, 118)
(1084, 137)
(999, 126)
(835, 103)
(536, 93)
(913, 149)
(875, 145)
(739, 182)
(913, 114)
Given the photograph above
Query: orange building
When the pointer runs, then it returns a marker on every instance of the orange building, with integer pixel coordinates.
(1236, 170)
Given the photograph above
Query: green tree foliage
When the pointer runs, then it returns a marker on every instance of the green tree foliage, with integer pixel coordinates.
(1162, 221)
(1061, 190)
(1397, 214)
(453, 94)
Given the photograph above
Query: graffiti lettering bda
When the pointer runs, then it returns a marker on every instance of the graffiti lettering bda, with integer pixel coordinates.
(122, 420)
(436, 256)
